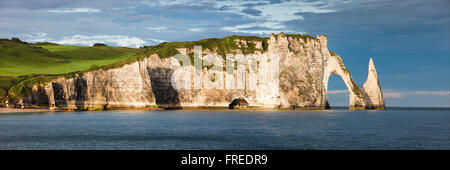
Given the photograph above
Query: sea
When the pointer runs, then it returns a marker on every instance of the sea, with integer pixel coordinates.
(335, 129)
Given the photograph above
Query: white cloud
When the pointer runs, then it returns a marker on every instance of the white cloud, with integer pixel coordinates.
(174, 2)
(126, 7)
(399, 94)
(75, 10)
(36, 37)
(272, 25)
(262, 28)
(337, 91)
(157, 29)
(393, 95)
(119, 40)
(272, 16)
(439, 93)
(141, 17)
(156, 41)
(260, 32)
(196, 29)
(113, 40)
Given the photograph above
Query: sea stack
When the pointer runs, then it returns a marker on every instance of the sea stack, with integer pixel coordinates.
(373, 96)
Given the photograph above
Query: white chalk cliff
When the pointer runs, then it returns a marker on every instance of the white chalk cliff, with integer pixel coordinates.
(304, 65)
(371, 89)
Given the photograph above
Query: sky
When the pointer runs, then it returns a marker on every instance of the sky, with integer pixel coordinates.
(407, 39)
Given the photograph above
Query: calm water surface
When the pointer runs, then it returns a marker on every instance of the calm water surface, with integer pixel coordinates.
(395, 128)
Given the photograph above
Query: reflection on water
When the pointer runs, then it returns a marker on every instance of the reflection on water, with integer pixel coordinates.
(395, 128)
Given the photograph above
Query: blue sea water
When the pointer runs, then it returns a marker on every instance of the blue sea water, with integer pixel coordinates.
(395, 128)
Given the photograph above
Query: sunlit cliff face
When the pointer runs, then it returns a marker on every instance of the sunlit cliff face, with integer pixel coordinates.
(292, 73)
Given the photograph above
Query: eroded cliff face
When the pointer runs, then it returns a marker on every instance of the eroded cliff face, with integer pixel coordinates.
(125, 87)
(291, 73)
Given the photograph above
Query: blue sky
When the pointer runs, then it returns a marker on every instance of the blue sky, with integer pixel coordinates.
(408, 39)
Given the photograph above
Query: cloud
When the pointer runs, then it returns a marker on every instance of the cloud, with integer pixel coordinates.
(393, 95)
(258, 28)
(337, 91)
(275, 13)
(120, 40)
(75, 10)
(156, 41)
(269, 25)
(141, 17)
(399, 94)
(278, 11)
(196, 29)
(114, 40)
(238, 29)
(35, 37)
(157, 29)
(439, 93)
(251, 11)
(178, 3)
(260, 32)
(254, 4)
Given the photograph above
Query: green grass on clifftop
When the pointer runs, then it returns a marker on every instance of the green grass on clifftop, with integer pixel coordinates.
(18, 59)
(222, 46)
(14, 53)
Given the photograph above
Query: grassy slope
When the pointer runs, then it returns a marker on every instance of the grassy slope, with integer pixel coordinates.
(13, 53)
(18, 59)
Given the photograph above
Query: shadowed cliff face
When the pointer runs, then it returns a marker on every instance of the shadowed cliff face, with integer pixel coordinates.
(81, 93)
(59, 96)
(296, 78)
(62, 97)
(160, 79)
(39, 97)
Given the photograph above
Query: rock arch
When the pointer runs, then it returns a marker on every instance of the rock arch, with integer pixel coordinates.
(335, 66)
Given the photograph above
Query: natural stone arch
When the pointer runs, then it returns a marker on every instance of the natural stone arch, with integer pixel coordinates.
(335, 66)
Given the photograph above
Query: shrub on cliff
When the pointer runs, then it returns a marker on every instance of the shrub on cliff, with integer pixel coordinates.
(94, 67)
(45, 43)
(17, 40)
(99, 45)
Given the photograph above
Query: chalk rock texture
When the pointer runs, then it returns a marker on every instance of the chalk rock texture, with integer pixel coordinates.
(371, 89)
(291, 73)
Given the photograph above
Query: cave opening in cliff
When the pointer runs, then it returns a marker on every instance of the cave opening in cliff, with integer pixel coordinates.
(337, 93)
(238, 103)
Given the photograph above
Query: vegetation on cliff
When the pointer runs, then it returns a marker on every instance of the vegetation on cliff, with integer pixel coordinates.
(301, 36)
(222, 46)
(19, 58)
